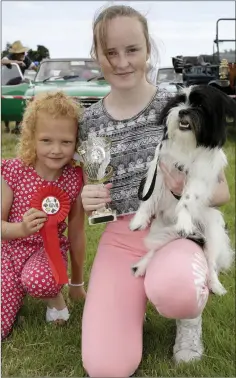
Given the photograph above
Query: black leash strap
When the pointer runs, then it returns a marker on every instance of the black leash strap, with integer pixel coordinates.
(143, 181)
(150, 190)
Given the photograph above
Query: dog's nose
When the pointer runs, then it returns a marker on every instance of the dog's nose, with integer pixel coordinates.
(183, 112)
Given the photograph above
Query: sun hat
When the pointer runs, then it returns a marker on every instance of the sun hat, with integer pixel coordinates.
(17, 48)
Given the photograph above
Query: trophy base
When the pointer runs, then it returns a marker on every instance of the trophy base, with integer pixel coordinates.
(99, 218)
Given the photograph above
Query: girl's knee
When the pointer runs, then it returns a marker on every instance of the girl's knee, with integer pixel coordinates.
(119, 366)
(40, 287)
(37, 278)
(176, 280)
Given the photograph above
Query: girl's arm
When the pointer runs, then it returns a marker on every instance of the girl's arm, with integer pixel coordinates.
(9, 231)
(32, 221)
(221, 195)
(76, 235)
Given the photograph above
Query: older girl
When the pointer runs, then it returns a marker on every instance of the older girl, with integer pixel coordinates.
(116, 301)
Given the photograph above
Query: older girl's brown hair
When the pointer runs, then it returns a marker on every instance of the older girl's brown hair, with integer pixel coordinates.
(100, 30)
(56, 104)
(100, 26)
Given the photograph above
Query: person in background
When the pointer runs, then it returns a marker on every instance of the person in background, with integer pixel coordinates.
(17, 54)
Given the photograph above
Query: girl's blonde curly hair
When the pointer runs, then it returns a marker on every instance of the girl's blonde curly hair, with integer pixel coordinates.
(56, 104)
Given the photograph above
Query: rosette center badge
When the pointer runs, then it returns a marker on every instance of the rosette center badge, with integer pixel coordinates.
(50, 205)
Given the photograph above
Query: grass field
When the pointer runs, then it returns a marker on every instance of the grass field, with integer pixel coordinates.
(38, 349)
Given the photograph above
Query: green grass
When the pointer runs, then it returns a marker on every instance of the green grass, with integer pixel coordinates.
(38, 349)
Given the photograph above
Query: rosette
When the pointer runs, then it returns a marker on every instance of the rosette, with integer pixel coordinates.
(56, 204)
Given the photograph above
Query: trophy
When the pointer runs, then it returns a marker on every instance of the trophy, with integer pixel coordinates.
(95, 157)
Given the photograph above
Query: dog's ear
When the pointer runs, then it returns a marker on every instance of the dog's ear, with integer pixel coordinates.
(172, 102)
(228, 103)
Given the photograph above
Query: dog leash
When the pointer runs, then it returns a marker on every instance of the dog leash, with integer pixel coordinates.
(152, 186)
(143, 181)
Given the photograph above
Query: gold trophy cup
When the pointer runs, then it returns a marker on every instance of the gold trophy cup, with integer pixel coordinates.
(95, 157)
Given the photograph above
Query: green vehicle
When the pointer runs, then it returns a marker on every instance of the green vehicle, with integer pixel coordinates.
(79, 78)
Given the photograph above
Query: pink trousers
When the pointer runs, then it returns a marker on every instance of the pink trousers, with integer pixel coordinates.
(112, 326)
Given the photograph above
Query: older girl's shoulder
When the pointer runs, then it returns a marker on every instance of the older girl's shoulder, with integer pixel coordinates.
(93, 110)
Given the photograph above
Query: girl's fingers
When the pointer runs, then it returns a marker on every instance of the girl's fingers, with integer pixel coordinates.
(165, 171)
(37, 226)
(96, 201)
(95, 207)
(172, 179)
(96, 194)
(37, 222)
(108, 186)
(37, 215)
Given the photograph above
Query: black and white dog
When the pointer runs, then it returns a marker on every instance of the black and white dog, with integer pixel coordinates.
(195, 131)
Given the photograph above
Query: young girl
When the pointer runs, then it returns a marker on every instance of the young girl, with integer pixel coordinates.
(116, 300)
(46, 149)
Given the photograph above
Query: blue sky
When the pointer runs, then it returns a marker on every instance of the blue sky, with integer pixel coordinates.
(65, 27)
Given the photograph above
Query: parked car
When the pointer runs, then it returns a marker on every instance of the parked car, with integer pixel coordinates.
(168, 75)
(14, 87)
(79, 78)
(167, 79)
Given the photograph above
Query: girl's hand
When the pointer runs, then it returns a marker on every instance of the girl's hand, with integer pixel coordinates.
(33, 221)
(95, 197)
(174, 180)
(76, 293)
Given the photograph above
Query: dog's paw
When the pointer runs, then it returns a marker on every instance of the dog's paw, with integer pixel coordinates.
(139, 269)
(184, 225)
(216, 287)
(137, 224)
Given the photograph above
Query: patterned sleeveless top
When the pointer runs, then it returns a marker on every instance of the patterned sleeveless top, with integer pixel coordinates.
(133, 147)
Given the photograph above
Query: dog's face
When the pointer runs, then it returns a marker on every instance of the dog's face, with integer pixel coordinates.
(197, 116)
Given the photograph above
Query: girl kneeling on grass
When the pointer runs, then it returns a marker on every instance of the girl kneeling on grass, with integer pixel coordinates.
(46, 149)
(112, 326)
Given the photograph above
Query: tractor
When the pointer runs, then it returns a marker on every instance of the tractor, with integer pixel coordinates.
(210, 69)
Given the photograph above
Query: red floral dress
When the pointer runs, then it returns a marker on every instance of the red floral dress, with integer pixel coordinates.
(25, 268)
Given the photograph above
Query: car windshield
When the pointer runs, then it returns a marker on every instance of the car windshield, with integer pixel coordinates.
(30, 74)
(165, 75)
(67, 70)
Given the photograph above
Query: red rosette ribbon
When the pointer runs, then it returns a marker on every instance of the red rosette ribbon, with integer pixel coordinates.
(56, 204)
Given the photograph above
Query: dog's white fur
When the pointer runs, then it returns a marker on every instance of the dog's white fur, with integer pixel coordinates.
(172, 217)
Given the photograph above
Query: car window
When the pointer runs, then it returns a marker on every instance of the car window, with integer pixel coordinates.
(29, 74)
(165, 74)
(81, 69)
(11, 75)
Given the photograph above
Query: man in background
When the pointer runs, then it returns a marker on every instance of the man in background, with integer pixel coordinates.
(17, 54)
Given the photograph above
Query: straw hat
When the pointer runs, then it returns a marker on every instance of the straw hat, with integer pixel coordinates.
(17, 48)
